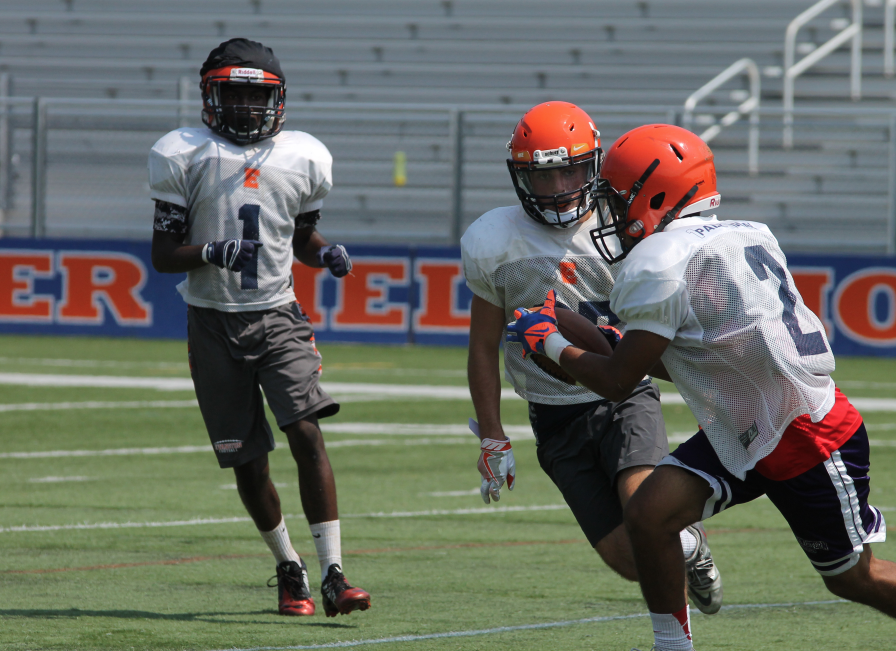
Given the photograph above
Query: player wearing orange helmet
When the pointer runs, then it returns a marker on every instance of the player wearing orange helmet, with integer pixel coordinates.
(711, 305)
(595, 451)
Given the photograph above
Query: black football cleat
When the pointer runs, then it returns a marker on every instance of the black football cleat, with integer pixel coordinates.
(340, 598)
(293, 592)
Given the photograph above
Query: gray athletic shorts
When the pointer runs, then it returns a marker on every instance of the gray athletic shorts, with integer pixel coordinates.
(233, 355)
(583, 458)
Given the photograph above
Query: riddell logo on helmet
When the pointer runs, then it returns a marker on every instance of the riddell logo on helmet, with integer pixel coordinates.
(715, 201)
(246, 73)
(546, 155)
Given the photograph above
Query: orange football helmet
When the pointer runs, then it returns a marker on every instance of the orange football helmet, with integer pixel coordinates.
(651, 176)
(554, 163)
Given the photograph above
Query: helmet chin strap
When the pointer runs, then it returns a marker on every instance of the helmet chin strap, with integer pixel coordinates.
(673, 213)
(561, 218)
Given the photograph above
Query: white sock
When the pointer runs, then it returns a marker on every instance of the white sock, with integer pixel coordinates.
(328, 542)
(672, 632)
(279, 544)
(688, 543)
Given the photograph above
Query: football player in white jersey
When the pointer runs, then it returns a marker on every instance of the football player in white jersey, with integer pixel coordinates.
(711, 305)
(595, 451)
(234, 203)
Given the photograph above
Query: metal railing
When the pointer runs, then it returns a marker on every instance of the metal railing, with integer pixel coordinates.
(750, 105)
(448, 189)
(889, 27)
(793, 70)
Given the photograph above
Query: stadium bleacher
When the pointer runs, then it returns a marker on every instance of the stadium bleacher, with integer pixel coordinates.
(625, 61)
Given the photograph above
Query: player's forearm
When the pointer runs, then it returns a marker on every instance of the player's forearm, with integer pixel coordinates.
(305, 245)
(181, 261)
(485, 390)
(171, 257)
(595, 372)
(659, 371)
(615, 377)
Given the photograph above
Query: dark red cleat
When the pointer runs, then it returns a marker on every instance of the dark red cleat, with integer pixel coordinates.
(292, 589)
(340, 598)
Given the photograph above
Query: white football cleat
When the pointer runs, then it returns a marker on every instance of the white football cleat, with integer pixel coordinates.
(704, 579)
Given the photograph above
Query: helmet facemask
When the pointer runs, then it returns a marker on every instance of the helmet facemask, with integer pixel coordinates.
(243, 123)
(556, 189)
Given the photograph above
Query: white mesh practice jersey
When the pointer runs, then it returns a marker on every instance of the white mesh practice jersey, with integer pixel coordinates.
(746, 353)
(253, 192)
(511, 261)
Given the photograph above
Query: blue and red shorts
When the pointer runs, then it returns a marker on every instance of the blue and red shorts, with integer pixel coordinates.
(826, 506)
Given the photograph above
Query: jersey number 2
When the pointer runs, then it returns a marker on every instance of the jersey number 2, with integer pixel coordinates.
(759, 259)
(249, 216)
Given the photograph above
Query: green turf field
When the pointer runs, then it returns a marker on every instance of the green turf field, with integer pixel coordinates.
(139, 543)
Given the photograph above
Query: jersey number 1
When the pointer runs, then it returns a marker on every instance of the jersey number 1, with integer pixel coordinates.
(759, 259)
(249, 216)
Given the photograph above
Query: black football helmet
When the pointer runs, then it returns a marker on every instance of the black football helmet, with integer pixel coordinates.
(240, 61)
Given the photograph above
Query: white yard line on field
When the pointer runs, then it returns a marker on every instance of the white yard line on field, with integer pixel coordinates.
(336, 367)
(189, 449)
(56, 480)
(521, 627)
(96, 404)
(382, 391)
(203, 521)
(93, 363)
(114, 452)
(423, 435)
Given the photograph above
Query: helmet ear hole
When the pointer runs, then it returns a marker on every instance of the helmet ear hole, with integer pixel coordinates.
(657, 201)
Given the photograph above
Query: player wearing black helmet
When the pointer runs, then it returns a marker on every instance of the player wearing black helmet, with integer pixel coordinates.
(234, 203)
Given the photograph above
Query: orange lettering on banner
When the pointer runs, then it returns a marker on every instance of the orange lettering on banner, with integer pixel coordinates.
(365, 287)
(251, 178)
(17, 272)
(307, 287)
(813, 285)
(854, 306)
(438, 297)
(568, 273)
(117, 278)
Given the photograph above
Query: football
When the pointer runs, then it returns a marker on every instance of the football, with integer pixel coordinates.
(581, 333)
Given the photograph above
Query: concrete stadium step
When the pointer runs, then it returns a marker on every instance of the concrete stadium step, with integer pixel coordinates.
(783, 9)
(513, 27)
(373, 50)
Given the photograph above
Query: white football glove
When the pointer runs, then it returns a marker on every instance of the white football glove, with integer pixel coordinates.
(497, 467)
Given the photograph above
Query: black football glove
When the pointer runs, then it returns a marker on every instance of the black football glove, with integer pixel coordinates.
(230, 254)
(611, 334)
(335, 258)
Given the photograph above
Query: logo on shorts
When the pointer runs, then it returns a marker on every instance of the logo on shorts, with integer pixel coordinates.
(749, 436)
(812, 545)
(228, 446)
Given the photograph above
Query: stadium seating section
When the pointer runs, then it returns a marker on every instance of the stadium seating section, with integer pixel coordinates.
(625, 61)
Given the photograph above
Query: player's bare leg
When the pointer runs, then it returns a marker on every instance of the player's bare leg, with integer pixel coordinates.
(615, 549)
(317, 490)
(871, 582)
(253, 481)
(666, 502)
(317, 487)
